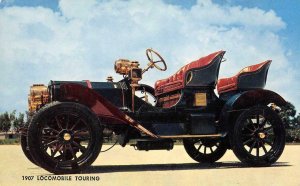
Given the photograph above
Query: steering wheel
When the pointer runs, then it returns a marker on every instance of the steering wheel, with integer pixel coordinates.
(153, 61)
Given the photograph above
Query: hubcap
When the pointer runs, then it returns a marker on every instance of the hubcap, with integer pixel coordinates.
(67, 136)
(258, 133)
(262, 135)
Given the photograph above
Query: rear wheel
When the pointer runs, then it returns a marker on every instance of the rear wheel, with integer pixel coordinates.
(258, 137)
(205, 150)
(64, 138)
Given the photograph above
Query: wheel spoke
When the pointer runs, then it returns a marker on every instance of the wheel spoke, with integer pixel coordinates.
(48, 137)
(257, 151)
(204, 149)
(199, 147)
(248, 135)
(254, 125)
(82, 138)
(250, 121)
(81, 132)
(248, 141)
(58, 122)
(211, 150)
(64, 157)
(67, 122)
(57, 148)
(197, 141)
(252, 146)
(263, 123)
(51, 143)
(247, 127)
(52, 129)
(82, 148)
(72, 152)
(64, 153)
(257, 120)
(268, 129)
(264, 148)
(267, 141)
(73, 127)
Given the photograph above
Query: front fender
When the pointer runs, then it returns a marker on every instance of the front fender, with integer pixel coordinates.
(98, 104)
(244, 100)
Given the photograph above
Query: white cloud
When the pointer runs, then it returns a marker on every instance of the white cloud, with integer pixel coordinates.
(77, 8)
(83, 40)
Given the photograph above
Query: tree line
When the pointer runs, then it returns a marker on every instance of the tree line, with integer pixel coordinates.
(13, 121)
(291, 122)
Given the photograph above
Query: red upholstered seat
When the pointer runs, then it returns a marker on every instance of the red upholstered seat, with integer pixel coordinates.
(231, 83)
(176, 81)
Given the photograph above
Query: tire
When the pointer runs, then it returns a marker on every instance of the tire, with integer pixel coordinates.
(64, 137)
(258, 137)
(212, 151)
(25, 148)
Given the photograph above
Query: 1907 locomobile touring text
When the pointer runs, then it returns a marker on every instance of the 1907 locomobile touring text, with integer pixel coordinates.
(61, 178)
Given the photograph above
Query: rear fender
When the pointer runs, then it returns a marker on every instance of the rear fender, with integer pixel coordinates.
(244, 100)
(98, 104)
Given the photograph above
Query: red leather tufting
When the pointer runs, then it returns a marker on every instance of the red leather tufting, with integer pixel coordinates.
(176, 81)
(231, 83)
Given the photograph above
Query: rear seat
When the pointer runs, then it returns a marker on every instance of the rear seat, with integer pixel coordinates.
(250, 77)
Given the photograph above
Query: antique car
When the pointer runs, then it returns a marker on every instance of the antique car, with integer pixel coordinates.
(208, 115)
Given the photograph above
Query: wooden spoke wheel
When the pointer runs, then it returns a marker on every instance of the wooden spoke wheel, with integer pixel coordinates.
(64, 138)
(205, 150)
(24, 146)
(258, 137)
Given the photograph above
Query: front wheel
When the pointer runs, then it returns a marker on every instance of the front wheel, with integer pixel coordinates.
(64, 138)
(258, 137)
(205, 150)
(24, 146)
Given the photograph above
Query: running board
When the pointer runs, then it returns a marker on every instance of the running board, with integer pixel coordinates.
(195, 136)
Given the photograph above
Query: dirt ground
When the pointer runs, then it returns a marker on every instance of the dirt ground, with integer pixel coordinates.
(125, 166)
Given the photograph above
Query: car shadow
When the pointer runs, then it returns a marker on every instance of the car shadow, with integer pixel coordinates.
(171, 167)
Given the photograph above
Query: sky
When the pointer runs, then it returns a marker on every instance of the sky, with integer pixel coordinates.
(43, 40)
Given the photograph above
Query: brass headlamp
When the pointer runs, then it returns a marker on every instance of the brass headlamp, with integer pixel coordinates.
(130, 68)
(124, 66)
